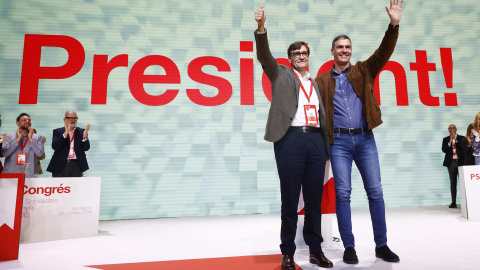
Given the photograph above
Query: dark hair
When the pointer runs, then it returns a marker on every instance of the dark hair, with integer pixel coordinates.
(22, 114)
(297, 45)
(340, 37)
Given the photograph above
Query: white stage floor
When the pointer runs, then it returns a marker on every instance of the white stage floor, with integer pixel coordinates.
(424, 237)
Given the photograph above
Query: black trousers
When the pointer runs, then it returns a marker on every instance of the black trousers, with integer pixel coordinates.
(301, 161)
(71, 169)
(453, 174)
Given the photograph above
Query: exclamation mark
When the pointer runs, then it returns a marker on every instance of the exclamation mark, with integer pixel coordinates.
(447, 67)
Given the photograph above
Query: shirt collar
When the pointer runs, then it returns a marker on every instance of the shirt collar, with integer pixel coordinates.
(306, 78)
(343, 72)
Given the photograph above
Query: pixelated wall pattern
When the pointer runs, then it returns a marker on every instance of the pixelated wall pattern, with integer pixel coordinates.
(185, 159)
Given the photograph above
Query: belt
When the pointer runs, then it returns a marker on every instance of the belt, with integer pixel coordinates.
(71, 160)
(305, 129)
(350, 130)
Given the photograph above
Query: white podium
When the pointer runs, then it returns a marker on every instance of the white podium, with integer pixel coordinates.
(60, 208)
(470, 191)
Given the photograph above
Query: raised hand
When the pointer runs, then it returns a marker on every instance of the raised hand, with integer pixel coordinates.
(68, 128)
(395, 11)
(260, 17)
(19, 135)
(30, 132)
(85, 132)
(3, 138)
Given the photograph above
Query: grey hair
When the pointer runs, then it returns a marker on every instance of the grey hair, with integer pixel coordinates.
(70, 111)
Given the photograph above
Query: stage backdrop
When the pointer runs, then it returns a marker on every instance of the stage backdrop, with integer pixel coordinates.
(178, 106)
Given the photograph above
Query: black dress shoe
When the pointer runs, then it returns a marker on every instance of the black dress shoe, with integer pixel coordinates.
(386, 254)
(453, 205)
(320, 260)
(350, 256)
(288, 263)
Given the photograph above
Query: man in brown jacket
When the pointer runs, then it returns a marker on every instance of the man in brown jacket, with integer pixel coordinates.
(352, 112)
(296, 125)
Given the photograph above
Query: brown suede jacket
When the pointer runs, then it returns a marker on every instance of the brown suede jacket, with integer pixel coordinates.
(362, 77)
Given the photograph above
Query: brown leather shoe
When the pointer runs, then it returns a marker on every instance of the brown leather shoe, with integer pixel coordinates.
(320, 260)
(288, 263)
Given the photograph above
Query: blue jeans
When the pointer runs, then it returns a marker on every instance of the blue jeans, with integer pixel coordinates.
(362, 149)
(477, 160)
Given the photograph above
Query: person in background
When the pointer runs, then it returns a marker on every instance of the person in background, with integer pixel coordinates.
(454, 157)
(70, 144)
(475, 137)
(39, 166)
(2, 139)
(22, 148)
(467, 147)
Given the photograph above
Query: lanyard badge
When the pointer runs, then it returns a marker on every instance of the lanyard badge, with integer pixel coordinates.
(71, 153)
(22, 157)
(311, 116)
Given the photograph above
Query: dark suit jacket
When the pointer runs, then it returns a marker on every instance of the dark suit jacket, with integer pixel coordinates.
(62, 147)
(285, 91)
(448, 150)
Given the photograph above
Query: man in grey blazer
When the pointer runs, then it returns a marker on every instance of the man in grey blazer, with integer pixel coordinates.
(296, 125)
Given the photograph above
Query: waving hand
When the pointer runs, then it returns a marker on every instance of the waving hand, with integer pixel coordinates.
(395, 11)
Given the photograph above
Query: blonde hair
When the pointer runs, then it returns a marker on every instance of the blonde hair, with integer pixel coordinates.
(476, 122)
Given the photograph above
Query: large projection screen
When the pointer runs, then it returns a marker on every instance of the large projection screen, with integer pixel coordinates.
(174, 95)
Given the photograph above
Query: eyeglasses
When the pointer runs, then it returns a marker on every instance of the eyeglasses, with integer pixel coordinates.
(71, 118)
(298, 54)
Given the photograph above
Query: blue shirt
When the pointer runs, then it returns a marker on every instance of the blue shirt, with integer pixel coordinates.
(348, 108)
(11, 147)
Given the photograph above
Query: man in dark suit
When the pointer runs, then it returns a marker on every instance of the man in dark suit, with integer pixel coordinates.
(454, 157)
(70, 143)
(296, 125)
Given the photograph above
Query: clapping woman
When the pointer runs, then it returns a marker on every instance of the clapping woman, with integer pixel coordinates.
(475, 137)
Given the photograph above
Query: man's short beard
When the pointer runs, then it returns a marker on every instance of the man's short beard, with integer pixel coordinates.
(24, 128)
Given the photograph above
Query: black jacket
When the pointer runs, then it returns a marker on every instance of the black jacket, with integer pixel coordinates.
(448, 150)
(61, 146)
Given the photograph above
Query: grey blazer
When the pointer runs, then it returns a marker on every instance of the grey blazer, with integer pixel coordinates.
(285, 91)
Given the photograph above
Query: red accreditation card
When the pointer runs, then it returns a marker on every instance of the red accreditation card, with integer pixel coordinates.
(311, 115)
(21, 158)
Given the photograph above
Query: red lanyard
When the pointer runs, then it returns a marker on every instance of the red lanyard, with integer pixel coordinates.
(23, 144)
(303, 89)
(73, 136)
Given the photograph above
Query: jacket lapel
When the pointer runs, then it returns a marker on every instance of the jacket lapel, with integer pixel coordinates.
(315, 86)
(297, 86)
